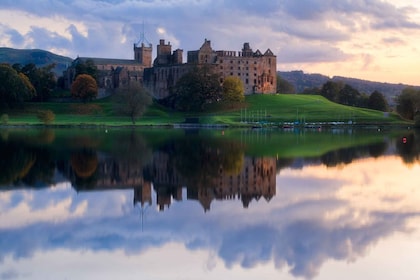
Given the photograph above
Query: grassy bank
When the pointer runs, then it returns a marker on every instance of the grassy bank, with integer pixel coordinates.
(273, 109)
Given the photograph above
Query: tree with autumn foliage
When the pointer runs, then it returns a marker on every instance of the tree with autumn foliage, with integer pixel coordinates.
(15, 88)
(84, 87)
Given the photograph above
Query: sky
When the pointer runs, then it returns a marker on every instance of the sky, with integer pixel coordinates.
(377, 40)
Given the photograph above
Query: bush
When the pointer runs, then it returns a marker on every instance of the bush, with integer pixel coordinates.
(46, 116)
(4, 119)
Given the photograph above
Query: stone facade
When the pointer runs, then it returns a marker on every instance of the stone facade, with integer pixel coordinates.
(115, 73)
(258, 71)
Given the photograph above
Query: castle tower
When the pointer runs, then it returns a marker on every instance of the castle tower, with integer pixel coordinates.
(163, 53)
(143, 54)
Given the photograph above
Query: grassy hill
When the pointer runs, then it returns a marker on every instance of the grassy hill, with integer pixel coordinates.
(257, 109)
(302, 81)
(38, 57)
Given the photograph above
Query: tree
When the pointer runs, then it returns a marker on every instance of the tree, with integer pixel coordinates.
(331, 90)
(283, 86)
(87, 67)
(408, 103)
(312, 90)
(132, 100)
(378, 102)
(233, 90)
(46, 116)
(197, 88)
(15, 88)
(43, 79)
(84, 87)
(349, 96)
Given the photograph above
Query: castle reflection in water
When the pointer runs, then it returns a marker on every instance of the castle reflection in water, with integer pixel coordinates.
(254, 178)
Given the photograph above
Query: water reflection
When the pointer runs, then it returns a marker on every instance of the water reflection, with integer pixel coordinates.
(95, 191)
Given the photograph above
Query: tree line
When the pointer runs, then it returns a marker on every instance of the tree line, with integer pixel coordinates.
(195, 91)
(407, 103)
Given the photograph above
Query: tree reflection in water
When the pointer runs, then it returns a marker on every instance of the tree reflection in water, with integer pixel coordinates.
(306, 225)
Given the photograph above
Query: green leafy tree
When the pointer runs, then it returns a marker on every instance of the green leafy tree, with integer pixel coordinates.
(15, 88)
(312, 90)
(283, 86)
(87, 67)
(233, 90)
(132, 101)
(84, 87)
(408, 103)
(378, 102)
(43, 80)
(197, 88)
(349, 96)
(331, 90)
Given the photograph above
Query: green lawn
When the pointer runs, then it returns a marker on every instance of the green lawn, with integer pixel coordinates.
(305, 108)
(275, 109)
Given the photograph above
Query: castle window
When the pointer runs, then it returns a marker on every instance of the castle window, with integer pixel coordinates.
(221, 67)
(239, 68)
(247, 62)
(239, 74)
(246, 81)
(231, 67)
(255, 81)
(231, 73)
(231, 61)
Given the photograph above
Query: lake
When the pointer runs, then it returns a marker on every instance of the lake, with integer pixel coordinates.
(106, 203)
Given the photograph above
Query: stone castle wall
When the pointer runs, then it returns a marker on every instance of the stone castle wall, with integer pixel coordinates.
(257, 71)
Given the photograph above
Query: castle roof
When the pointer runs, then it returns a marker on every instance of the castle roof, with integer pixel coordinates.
(108, 61)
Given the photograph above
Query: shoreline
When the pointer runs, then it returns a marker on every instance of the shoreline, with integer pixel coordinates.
(312, 126)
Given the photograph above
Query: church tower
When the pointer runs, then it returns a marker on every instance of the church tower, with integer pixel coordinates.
(143, 51)
(143, 54)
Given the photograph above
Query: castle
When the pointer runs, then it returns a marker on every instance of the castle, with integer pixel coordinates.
(257, 70)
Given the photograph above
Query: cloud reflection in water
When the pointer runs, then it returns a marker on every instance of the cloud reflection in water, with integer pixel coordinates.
(312, 219)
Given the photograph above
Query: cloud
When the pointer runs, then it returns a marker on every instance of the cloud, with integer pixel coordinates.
(9, 274)
(310, 53)
(307, 31)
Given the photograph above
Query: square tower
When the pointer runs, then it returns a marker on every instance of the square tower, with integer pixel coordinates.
(143, 54)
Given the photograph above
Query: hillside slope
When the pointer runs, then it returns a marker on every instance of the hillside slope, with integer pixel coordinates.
(301, 81)
(38, 57)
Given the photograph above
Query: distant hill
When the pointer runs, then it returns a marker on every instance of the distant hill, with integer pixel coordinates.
(302, 81)
(38, 57)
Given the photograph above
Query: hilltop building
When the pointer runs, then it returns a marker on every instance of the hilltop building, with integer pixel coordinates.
(257, 70)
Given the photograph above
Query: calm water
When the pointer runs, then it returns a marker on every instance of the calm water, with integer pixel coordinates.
(174, 204)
